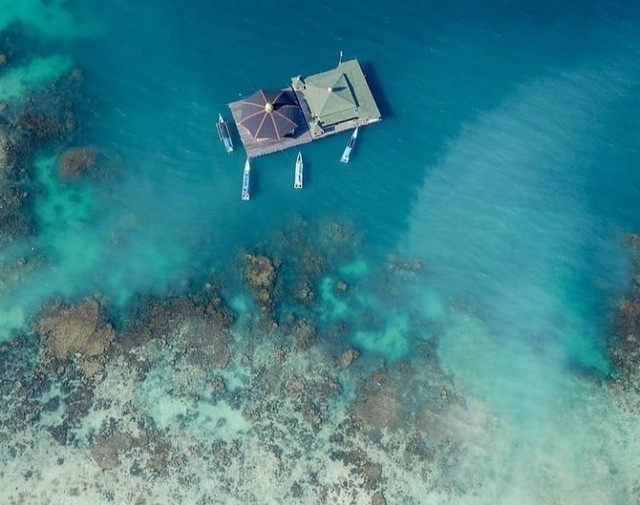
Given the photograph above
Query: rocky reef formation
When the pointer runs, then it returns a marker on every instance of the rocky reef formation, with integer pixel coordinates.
(42, 119)
(14, 221)
(179, 398)
(196, 327)
(76, 332)
(77, 161)
(260, 277)
(625, 344)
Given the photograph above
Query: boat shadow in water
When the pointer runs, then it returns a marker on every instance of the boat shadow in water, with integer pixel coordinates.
(255, 180)
(376, 90)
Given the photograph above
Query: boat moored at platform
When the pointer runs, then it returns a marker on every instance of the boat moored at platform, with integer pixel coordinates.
(224, 134)
(246, 177)
(297, 182)
(346, 155)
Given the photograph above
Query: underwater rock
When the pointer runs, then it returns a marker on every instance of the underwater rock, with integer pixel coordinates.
(305, 334)
(3, 59)
(14, 222)
(92, 367)
(156, 319)
(305, 292)
(44, 116)
(297, 490)
(625, 346)
(197, 327)
(378, 499)
(260, 275)
(404, 266)
(218, 385)
(339, 237)
(76, 161)
(107, 448)
(48, 114)
(221, 315)
(205, 345)
(380, 406)
(76, 329)
(359, 459)
(348, 357)
(6, 164)
(311, 412)
(631, 240)
(372, 474)
(76, 75)
(313, 263)
(42, 126)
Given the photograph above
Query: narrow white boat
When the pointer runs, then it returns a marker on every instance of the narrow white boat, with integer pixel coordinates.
(246, 176)
(224, 133)
(350, 145)
(297, 182)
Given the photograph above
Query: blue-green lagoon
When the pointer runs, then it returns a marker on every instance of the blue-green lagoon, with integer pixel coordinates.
(451, 318)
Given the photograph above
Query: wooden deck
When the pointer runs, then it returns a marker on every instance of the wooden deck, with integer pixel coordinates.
(304, 135)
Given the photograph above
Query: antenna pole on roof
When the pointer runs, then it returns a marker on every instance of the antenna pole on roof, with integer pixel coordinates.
(340, 60)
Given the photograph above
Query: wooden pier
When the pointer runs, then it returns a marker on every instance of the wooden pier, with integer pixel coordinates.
(350, 85)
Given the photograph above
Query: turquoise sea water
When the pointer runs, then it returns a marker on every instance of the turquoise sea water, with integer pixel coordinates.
(506, 165)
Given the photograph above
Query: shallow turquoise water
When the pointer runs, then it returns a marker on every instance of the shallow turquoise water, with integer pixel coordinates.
(506, 163)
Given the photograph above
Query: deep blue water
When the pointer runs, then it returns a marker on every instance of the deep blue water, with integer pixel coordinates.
(506, 162)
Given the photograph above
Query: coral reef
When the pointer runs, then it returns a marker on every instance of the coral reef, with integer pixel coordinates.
(260, 276)
(348, 357)
(625, 343)
(41, 119)
(14, 221)
(77, 161)
(189, 402)
(76, 330)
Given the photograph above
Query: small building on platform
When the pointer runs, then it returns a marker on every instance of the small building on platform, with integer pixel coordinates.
(311, 108)
(337, 99)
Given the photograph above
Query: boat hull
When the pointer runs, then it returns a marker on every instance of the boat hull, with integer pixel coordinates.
(246, 181)
(299, 173)
(346, 155)
(224, 134)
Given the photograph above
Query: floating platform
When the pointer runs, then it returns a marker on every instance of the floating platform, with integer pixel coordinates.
(328, 103)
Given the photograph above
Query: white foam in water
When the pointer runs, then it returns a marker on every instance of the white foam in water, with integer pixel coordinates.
(503, 222)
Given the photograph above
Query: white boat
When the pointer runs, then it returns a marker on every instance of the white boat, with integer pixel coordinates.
(246, 175)
(297, 182)
(224, 133)
(350, 145)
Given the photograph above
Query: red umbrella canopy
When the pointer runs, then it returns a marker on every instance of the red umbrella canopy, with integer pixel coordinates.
(269, 114)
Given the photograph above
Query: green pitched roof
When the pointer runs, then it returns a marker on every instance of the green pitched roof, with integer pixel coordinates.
(329, 94)
(338, 95)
